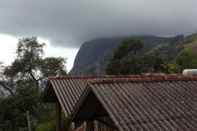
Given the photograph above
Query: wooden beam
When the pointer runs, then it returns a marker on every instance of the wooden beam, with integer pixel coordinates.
(58, 117)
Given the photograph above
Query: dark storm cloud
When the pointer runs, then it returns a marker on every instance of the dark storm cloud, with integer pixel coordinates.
(70, 22)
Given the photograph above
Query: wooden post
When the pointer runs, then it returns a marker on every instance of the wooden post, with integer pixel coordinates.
(58, 117)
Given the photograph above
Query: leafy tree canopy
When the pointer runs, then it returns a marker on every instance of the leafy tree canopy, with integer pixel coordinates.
(30, 63)
(186, 60)
(127, 60)
(23, 78)
(128, 46)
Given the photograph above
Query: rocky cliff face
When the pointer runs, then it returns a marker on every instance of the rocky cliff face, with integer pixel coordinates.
(94, 55)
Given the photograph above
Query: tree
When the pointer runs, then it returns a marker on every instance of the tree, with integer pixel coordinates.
(52, 66)
(128, 46)
(122, 63)
(186, 60)
(172, 68)
(154, 63)
(30, 64)
(24, 76)
(5, 85)
(127, 60)
(29, 57)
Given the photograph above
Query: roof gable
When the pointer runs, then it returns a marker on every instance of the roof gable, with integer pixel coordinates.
(135, 102)
(150, 105)
(68, 89)
(68, 92)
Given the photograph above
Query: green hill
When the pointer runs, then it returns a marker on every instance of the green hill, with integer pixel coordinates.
(190, 43)
(94, 55)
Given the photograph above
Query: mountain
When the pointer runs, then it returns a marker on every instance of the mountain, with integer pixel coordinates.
(191, 43)
(94, 55)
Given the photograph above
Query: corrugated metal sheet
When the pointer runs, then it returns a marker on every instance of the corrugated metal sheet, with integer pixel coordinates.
(68, 92)
(150, 105)
(166, 103)
(69, 89)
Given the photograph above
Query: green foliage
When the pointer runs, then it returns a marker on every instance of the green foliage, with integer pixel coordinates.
(27, 96)
(29, 47)
(121, 62)
(9, 114)
(50, 125)
(191, 38)
(153, 62)
(125, 66)
(31, 64)
(46, 126)
(52, 66)
(29, 55)
(172, 68)
(127, 61)
(186, 60)
(13, 108)
(25, 75)
(128, 46)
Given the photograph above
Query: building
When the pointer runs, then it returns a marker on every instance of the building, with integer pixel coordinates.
(126, 103)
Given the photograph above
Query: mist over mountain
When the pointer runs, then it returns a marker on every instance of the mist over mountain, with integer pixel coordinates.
(69, 23)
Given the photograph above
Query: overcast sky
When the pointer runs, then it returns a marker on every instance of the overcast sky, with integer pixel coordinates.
(66, 24)
(9, 45)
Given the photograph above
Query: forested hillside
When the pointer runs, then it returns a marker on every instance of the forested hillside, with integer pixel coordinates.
(94, 55)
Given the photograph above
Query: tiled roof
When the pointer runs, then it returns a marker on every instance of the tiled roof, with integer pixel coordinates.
(146, 103)
(68, 89)
(150, 105)
(68, 92)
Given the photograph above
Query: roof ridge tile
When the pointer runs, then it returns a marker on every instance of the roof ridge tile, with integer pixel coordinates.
(128, 78)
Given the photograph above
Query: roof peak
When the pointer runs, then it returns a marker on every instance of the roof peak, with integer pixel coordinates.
(143, 79)
(92, 77)
(129, 78)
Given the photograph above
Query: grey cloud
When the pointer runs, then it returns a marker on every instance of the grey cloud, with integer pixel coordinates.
(70, 22)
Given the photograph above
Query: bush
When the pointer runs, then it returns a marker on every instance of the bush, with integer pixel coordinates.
(46, 126)
(186, 60)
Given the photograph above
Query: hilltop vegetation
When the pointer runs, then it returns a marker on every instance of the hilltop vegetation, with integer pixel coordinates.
(94, 56)
(191, 43)
(173, 57)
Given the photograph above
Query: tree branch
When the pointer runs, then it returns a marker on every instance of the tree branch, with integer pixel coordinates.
(6, 87)
(33, 77)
